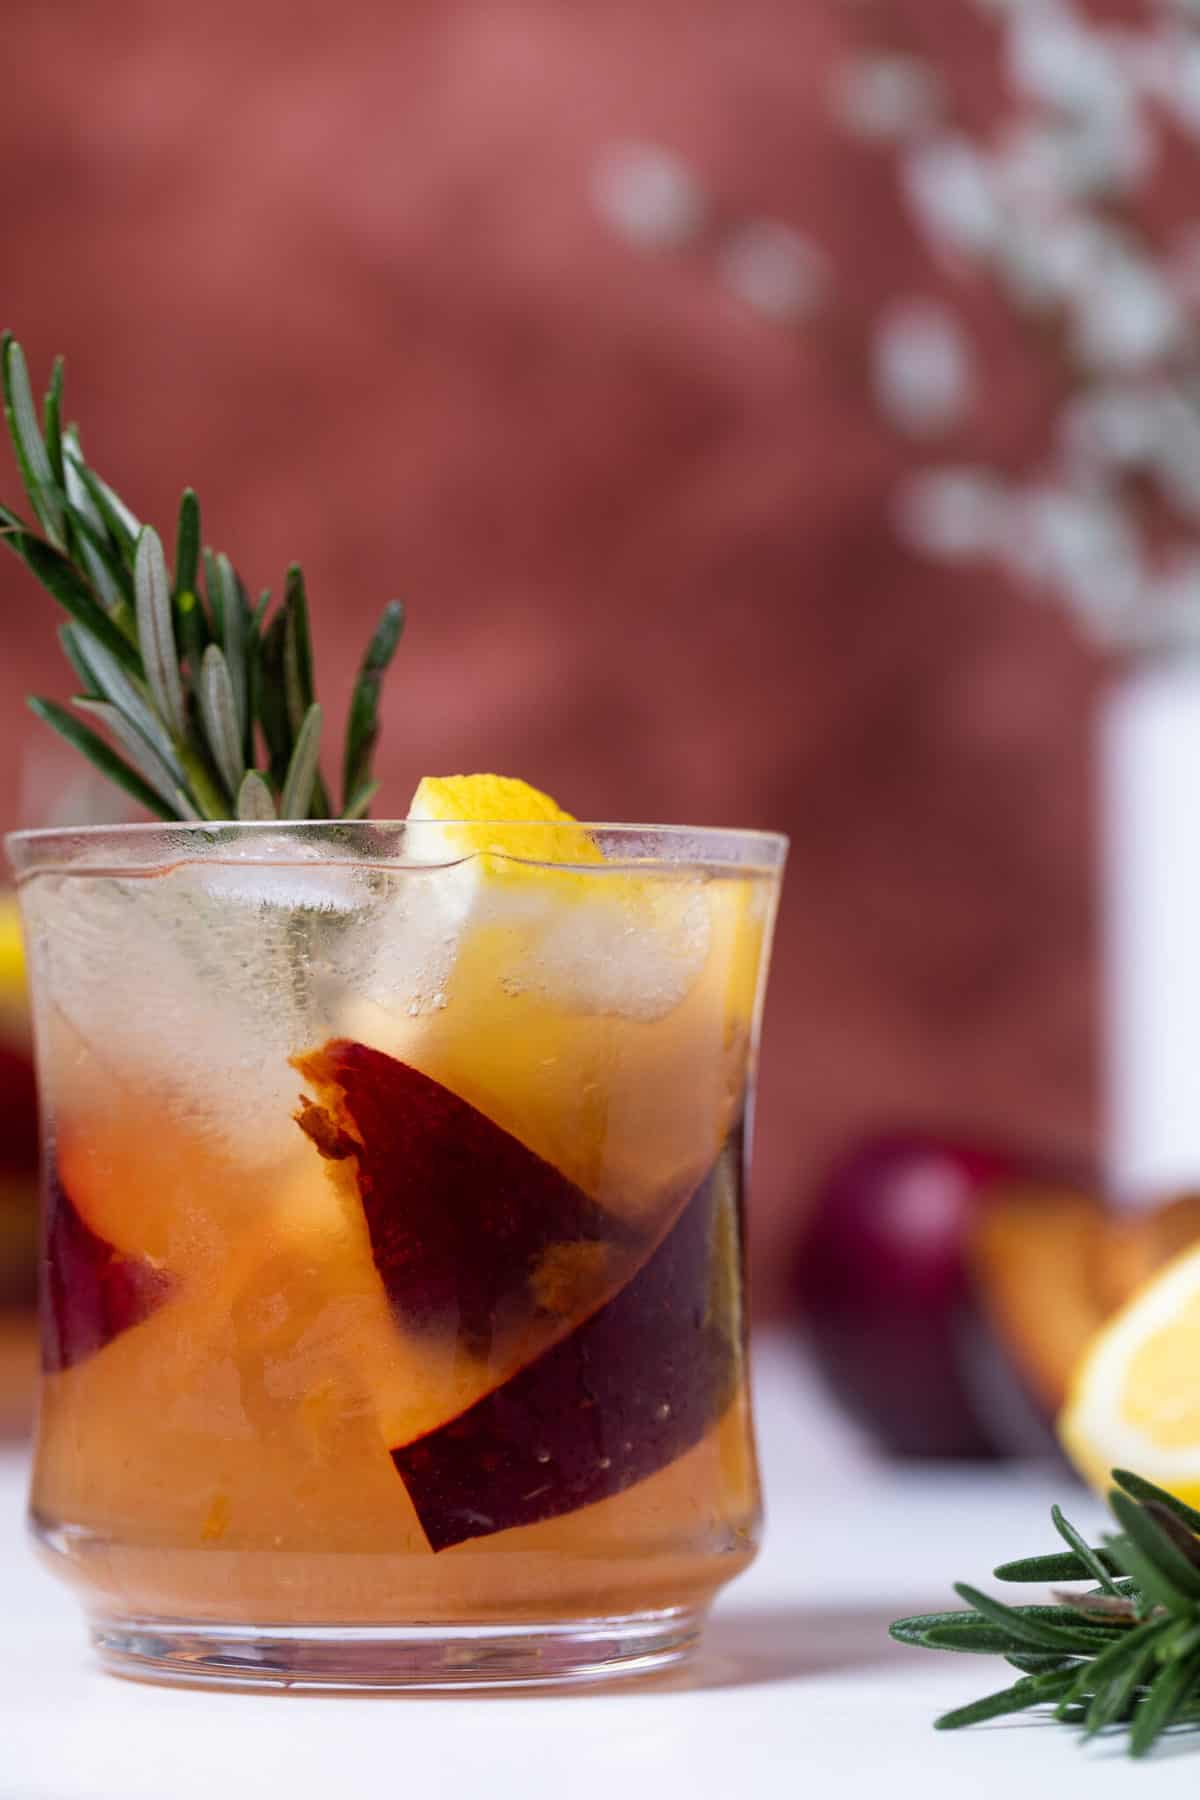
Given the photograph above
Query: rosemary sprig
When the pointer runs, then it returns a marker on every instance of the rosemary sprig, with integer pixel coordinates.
(188, 678)
(1124, 1653)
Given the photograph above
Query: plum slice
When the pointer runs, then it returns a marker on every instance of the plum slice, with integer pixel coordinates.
(92, 1291)
(630, 1389)
(472, 1233)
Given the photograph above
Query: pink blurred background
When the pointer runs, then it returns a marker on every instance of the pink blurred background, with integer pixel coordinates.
(390, 288)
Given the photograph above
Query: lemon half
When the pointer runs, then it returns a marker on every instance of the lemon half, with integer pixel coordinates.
(1134, 1401)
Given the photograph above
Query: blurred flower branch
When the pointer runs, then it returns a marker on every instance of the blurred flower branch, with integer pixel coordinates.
(1072, 208)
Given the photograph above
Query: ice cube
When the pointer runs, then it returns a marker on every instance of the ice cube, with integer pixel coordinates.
(633, 950)
(276, 872)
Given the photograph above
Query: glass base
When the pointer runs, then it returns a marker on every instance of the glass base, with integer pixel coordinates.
(400, 1656)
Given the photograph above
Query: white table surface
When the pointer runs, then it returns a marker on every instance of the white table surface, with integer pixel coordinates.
(798, 1690)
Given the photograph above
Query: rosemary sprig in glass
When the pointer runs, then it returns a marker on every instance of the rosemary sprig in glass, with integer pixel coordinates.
(1124, 1653)
(186, 677)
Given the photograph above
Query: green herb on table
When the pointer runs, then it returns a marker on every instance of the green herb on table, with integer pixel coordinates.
(189, 681)
(1122, 1654)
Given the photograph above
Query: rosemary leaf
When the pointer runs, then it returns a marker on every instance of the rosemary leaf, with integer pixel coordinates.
(1037, 1633)
(1111, 1698)
(147, 763)
(1176, 1573)
(996, 1640)
(1172, 1527)
(1115, 1659)
(192, 626)
(1059, 1565)
(1034, 1690)
(52, 424)
(204, 787)
(33, 461)
(187, 545)
(1091, 1559)
(215, 591)
(298, 673)
(1038, 1662)
(68, 637)
(218, 710)
(913, 1630)
(100, 755)
(360, 804)
(1138, 1488)
(300, 781)
(254, 672)
(301, 778)
(1152, 1589)
(1179, 1642)
(255, 801)
(156, 630)
(60, 578)
(297, 655)
(129, 699)
(82, 506)
(119, 522)
(1167, 1693)
(272, 705)
(111, 579)
(974, 1637)
(233, 637)
(362, 724)
(910, 1631)
(185, 808)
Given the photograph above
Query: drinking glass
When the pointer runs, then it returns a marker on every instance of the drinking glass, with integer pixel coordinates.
(393, 1329)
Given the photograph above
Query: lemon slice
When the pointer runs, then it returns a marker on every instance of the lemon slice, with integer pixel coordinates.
(12, 956)
(1135, 1398)
(465, 806)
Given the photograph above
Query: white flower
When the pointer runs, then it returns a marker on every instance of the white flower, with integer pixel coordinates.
(1112, 427)
(773, 268)
(1125, 316)
(953, 514)
(922, 367)
(948, 183)
(1057, 60)
(648, 195)
(1080, 545)
(887, 97)
(1183, 90)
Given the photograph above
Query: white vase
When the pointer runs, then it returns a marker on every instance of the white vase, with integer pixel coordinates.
(1150, 828)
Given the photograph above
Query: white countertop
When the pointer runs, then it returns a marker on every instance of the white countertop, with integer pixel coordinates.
(798, 1690)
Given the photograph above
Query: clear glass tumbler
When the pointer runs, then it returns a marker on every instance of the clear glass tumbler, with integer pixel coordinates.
(392, 1265)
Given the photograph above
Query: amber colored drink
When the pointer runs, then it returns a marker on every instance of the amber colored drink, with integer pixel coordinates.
(392, 1311)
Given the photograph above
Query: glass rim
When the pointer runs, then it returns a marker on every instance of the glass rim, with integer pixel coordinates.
(42, 847)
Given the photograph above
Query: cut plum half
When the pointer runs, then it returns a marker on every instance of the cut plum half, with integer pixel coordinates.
(633, 1387)
(473, 1235)
(92, 1291)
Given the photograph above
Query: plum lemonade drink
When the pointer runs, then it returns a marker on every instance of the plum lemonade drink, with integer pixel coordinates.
(393, 1324)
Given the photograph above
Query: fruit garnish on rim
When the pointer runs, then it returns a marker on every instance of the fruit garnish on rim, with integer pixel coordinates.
(597, 1013)
(465, 805)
